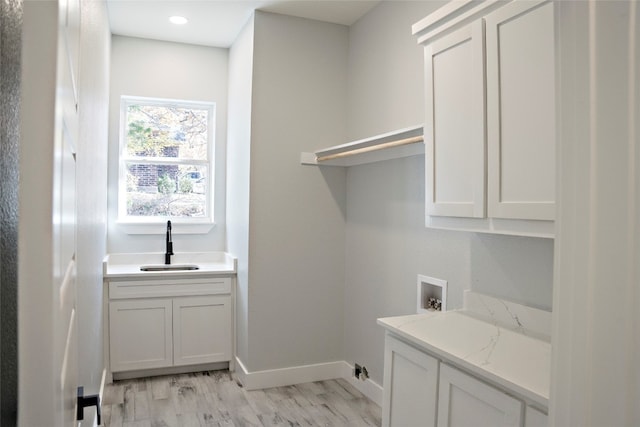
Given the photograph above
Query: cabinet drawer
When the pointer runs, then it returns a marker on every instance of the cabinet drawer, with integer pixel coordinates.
(169, 288)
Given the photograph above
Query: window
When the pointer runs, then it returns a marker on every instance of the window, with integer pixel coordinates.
(166, 165)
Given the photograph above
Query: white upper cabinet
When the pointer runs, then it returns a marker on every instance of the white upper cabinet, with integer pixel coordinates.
(521, 111)
(490, 116)
(455, 126)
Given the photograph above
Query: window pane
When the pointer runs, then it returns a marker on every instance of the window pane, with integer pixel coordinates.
(167, 131)
(166, 190)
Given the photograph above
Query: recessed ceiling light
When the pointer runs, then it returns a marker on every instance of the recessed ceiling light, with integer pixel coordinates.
(178, 20)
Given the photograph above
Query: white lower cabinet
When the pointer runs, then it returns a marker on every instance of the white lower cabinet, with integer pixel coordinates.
(411, 384)
(201, 330)
(140, 334)
(152, 325)
(421, 391)
(464, 401)
(535, 418)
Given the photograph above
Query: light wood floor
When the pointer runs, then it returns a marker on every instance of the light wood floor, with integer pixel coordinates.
(214, 399)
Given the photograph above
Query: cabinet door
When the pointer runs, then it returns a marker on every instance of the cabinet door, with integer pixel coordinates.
(535, 418)
(467, 402)
(201, 330)
(140, 334)
(455, 124)
(521, 111)
(410, 386)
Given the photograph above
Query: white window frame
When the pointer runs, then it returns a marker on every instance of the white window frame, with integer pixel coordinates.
(156, 224)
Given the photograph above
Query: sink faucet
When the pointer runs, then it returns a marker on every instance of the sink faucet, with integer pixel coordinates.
(169, 252)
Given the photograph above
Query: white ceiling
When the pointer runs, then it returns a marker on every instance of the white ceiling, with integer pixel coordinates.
(218, 22)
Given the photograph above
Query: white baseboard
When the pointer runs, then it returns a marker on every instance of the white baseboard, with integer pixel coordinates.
(303, 374)
(240, 374)
(286, 376)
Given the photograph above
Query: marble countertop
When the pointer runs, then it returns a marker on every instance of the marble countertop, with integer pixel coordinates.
(127, 266)
(510, 358)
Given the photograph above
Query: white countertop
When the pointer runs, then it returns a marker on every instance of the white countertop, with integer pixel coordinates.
(127, 266)
(506, 357)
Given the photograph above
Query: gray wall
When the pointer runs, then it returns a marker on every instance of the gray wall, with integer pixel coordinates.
(91, 157)
(10, 43)
(515, 268)
(141, 67)
(385, 69)
(387, 243)
(387, 247)
(297, 213)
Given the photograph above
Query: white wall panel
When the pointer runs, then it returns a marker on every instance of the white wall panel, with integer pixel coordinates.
(238, 174)
(595, 377)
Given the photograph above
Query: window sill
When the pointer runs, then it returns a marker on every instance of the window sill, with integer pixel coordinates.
(177, 227)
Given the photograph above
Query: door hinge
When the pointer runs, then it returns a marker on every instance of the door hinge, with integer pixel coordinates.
(86, 401)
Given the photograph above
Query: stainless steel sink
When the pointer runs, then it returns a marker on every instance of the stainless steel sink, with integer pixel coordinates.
(169, 267)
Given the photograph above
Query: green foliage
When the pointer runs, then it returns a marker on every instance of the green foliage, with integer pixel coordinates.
(185, 185)
(153, 128)
(141, 140)
(166, 185)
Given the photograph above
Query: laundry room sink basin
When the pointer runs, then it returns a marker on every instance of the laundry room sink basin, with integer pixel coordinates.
(169, 267)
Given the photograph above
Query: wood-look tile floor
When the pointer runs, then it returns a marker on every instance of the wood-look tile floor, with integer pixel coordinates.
(214, 399)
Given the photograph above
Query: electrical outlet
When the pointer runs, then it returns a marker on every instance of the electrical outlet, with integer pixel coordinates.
(357, 371)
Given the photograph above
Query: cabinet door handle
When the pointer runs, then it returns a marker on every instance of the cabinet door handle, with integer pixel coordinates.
(86, 401)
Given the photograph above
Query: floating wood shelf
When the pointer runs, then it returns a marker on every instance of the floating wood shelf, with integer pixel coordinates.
(392, 145)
